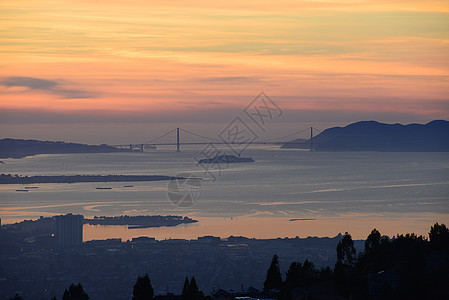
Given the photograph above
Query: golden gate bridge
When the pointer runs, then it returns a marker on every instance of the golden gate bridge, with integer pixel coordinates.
(153, 143)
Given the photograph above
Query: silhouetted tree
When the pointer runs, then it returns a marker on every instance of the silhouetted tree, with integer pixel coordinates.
(376, 256)
(344, 267)
(439, 237)
(191, 290)
(301, 276)
(293, 275)
(308, 273)
(372, 241)
(325, 274)
(274, 277)
(411, 270)
(194, 290)
(292, 280)
(346, 251)
(75, 292)
(143, 290)
(185, 289)
(16, 297)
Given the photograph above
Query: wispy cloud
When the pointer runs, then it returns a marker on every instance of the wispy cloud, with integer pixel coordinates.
(49, 86)
(29, 82)
(370, 58)
(230, 80)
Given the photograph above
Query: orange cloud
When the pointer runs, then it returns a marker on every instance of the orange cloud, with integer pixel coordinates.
(138, 56)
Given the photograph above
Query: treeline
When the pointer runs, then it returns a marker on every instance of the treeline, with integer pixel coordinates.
(142, 290)
(404, 267)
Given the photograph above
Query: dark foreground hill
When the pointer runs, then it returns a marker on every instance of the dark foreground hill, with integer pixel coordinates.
(16, 148)
(375, 136)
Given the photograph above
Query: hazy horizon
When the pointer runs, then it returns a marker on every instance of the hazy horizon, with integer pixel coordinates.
(141, 132)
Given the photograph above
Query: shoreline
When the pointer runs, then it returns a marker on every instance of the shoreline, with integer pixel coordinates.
(9, 179)
(250, 227)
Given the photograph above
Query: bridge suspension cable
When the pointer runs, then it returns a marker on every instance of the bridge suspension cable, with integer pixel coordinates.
(199, 135)
(214, 139)
(164, 135)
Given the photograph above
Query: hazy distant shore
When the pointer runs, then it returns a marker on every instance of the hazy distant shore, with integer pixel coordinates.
(9, 179)
(45, 226)
(135, 222)
(18, 148)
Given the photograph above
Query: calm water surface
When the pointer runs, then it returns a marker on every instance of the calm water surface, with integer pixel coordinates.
(335, 191)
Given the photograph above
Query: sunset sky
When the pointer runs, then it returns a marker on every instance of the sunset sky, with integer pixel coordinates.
(124, 62)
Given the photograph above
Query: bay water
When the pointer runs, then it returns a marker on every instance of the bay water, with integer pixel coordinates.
(284, 193)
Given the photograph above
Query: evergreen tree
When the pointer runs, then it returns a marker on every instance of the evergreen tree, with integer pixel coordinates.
(344, 268)
(375, 258)
(191, 290)
(346, 251)
(293, 275)
(303, 276)
(185, 289)
(325, 274)
(372, 241)
(75, 292)
(274, 277)
(439, 237)
(308, 273)
(143, 290)
(194, 291)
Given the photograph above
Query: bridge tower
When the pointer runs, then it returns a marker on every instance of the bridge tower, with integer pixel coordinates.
(177, 140)
(311, 138)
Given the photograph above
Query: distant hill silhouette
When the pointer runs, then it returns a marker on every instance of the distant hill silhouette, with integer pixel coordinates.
(375, 136)
(17, 148)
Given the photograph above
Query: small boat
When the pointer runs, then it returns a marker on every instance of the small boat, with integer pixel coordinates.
(128, 186)
(21, 190)
(31, 187)
(104, 188)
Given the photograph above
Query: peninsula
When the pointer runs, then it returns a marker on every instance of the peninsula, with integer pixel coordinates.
(140, 221)
(46, 225)
(375, 136)
(18, 148)
(9, 179)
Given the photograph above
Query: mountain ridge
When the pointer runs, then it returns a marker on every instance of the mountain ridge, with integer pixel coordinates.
(376, 136)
